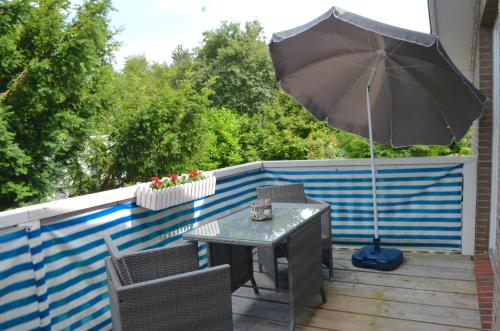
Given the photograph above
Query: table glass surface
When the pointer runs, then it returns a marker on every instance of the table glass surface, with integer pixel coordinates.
(240, 227)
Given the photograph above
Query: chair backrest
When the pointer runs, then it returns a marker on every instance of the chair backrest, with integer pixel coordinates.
(113, 284)
(118, 261)
(304, 265)
(292, 193)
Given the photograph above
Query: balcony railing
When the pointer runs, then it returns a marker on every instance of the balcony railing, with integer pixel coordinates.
(51, 255)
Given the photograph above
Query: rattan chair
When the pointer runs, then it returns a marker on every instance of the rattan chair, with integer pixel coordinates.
(167, 291)
(293, 193)
(305, 279)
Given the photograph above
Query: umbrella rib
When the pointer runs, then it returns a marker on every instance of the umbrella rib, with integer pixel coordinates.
(430, 95)
(354, 52)
(350, 48)
(353, 64)
(321, 60)
(455, 74)
(415, 66)
(391, 103)
(368, 41)
(345, 91)
(325, 59)
(427, 64)
(395, 47)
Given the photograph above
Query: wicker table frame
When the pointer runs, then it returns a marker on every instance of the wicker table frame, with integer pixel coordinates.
(240, 260)
(304, 261)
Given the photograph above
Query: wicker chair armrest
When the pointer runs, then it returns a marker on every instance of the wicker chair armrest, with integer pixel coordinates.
(316, 201)
(191, 301)
(162, 262)
(325, 216)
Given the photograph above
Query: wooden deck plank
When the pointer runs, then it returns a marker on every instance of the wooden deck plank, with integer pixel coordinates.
(332, 320)
(454, 300)
(371, 277)
(250, 323)
(380, 307)
(431, 254)
(413, 270)
(435, 294)
(355, 322)
(427, 260)
(441, 264)
(424, 297)
(406, 311)
(409, 282)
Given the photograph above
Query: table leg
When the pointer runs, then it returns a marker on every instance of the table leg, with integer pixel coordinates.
(252, 279)
(240, 260)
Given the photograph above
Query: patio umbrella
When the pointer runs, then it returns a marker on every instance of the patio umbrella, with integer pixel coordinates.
(388, 84)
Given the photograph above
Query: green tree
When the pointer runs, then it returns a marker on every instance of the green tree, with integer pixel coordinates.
(51, 65)
(235, 64)
(155, 129)
(354, 146)
(222, 145)
(182, 66)
(14, 164)
(283, 130)
(67, 116)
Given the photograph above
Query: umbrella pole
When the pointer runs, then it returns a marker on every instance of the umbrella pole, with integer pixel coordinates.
(376, 239)
(375, 256)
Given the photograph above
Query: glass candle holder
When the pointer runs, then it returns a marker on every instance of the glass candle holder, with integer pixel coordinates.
(261, 210)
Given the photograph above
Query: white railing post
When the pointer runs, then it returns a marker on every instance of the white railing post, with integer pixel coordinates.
(469, 207)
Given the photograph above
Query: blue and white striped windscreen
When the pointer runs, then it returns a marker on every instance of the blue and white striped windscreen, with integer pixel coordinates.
(52, 273)
(417, 207)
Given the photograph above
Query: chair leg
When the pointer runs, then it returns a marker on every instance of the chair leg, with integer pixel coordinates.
(276, 274)
(254, 285)
(322, 292)
(328, 262)
(267, 259)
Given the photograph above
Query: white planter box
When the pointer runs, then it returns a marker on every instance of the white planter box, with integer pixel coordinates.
(174, 195)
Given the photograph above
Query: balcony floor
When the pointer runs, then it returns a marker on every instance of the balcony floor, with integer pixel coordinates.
(428, 292)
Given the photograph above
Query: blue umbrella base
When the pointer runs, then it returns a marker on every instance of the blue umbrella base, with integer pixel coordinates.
(375, 257)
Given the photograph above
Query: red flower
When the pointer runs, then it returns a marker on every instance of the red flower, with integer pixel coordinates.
(193, 173)
(173, 178)
(157, 183)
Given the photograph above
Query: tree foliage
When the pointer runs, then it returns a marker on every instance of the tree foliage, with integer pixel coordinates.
(154, 129)
(50, 77)
(67, 117)
(14, 164)
(235, 64)
(223, 142)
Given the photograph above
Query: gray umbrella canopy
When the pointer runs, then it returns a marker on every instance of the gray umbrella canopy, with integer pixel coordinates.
(417, 95)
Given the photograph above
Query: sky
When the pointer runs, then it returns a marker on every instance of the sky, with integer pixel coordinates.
(155, 27)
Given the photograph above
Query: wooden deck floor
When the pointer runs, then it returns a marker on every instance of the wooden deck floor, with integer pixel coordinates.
(428, 292)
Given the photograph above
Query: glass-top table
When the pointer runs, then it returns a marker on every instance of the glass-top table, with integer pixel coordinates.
(239, 228)
(231, 240)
